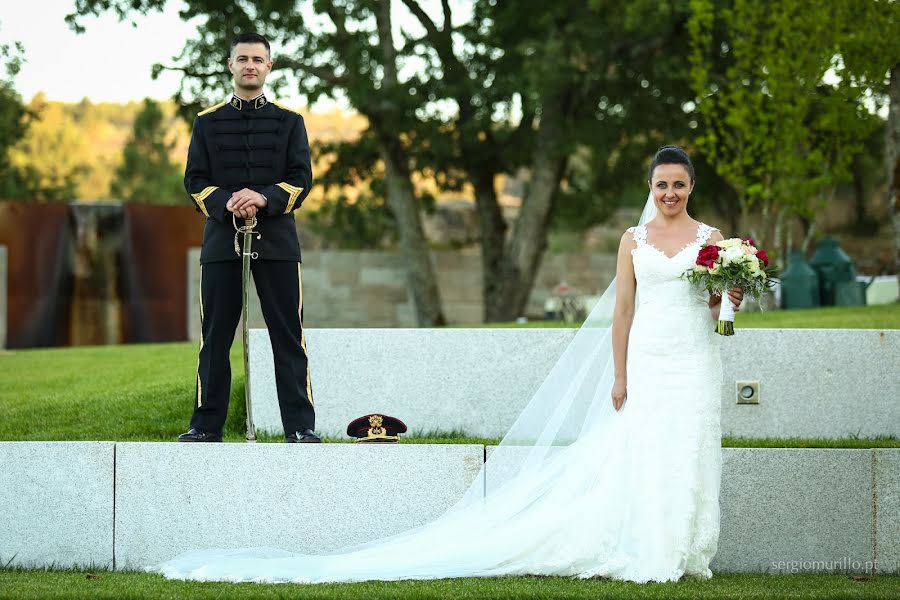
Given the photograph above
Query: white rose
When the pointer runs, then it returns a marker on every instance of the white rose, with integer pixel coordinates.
(753, 263)
(700, 269)
(733, 254)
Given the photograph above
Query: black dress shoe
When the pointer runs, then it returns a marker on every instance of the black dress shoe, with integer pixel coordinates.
(195, 435)
(305, 436)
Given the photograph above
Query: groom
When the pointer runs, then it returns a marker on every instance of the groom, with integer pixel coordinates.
(249, 158)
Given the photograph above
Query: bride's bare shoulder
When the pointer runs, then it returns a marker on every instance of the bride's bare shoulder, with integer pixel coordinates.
(715, 235)
(629, 238)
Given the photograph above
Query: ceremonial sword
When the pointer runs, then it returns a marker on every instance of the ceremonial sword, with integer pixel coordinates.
(246, 256)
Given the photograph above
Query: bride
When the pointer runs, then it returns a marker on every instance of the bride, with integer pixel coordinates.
(612, 469)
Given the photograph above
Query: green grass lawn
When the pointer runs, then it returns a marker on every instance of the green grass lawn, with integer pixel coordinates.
(144, 392)
(100, 584)
(882, 316)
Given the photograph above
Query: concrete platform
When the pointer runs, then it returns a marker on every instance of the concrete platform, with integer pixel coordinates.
(812, 382)
(129, 505)
(298, 497)
(788, 510)
(886, 499)
(56, 504)
(470, 380)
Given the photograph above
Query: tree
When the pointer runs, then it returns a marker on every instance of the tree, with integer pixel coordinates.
(50, 157)
(870, 51)
(587, 78)
(147, 172)
(892, 158)
(784, 116)
(13, 119)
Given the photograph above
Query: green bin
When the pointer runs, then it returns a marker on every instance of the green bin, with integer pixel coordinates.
(799, 283)
(837, 275)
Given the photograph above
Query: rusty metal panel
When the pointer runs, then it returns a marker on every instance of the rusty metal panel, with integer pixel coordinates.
(157, 243)
(38, 273)
(95, 273)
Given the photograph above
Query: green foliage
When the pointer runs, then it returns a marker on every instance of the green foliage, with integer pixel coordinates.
(50, 157)
(783, 115)
(72, 151)
(13, 118)
(147, 172)
(364, 222)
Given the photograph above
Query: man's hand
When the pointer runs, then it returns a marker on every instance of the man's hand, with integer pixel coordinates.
(246, 203)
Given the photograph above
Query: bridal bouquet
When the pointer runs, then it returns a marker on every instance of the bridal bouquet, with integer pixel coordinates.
(732, 263)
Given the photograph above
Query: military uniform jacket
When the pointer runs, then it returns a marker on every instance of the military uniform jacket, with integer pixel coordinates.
(253, 144)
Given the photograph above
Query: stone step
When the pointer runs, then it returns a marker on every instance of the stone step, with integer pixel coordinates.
(811, 382)
(128, 505)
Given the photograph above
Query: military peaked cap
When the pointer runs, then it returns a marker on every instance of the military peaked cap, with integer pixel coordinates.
(376, 428)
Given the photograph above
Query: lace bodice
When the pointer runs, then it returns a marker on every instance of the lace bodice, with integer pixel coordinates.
(670, 311)
(659, 276)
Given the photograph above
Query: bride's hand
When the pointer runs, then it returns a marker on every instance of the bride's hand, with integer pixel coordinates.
(618, 394)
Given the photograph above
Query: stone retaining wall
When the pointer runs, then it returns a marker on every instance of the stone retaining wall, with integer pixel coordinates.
(811, 382)
(368, 289)
(130, 505)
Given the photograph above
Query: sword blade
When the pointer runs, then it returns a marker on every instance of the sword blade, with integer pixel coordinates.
(245, 289)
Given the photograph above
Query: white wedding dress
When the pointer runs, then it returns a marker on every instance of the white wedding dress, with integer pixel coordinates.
(630, 495)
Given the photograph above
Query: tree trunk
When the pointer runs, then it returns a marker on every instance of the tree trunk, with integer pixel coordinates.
(780, 242)
(727, 207)
(892, 154)
(419, 270)
(400, 195)
(808, 237)
(493, 238)
(523, 257)
(859, 191)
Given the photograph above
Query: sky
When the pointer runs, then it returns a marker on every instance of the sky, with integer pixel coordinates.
(110, 62)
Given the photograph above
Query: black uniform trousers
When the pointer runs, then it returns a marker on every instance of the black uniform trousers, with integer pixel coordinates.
(280, 291)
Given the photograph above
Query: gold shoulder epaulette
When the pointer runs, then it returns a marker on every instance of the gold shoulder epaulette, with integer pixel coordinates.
(288, 108)
(211, 109)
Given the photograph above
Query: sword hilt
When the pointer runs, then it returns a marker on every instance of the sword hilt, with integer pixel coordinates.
(247, 227)
(247, 230)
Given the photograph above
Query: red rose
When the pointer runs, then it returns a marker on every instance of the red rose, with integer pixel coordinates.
(749, 240)
(761, 255)
(708, 255)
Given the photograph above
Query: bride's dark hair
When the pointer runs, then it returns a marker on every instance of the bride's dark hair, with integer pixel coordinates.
(671, 155)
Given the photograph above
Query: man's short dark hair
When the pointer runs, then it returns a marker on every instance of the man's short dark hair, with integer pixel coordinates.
(250, 38)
